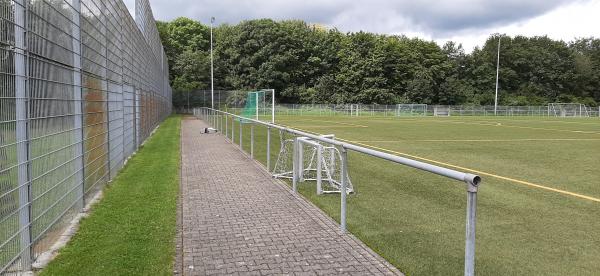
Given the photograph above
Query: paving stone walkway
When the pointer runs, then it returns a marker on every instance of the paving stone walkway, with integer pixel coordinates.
(237, 220)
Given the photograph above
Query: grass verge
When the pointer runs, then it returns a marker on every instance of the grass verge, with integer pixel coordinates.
(132, 230)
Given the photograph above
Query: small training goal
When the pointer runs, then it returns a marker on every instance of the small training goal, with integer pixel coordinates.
(316, 162)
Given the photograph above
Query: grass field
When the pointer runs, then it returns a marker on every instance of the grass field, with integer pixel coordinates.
(131, 231)
(538, 206)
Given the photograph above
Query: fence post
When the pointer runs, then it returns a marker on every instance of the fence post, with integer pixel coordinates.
(344, 192)
(21, 109)
(470, 226)
(226, 126)
(78, 101)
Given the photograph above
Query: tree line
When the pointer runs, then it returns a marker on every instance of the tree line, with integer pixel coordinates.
(310, 64)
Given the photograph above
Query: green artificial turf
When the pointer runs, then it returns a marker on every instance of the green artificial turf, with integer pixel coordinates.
(131, 231)
(416, 220)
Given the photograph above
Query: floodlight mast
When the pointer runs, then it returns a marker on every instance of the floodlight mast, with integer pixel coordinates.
(497, 75)
(212, 83)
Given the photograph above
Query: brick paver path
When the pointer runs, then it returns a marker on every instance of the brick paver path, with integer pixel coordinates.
(237, 220)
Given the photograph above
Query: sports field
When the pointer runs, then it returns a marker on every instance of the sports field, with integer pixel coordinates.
(538, 206)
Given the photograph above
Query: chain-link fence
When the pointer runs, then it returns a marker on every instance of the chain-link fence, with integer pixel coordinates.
(82, 86)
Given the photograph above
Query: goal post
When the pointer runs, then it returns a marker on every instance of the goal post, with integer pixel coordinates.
(568, 110)
(441, 111)
(259, 105)
(354, 110)
(411, 110)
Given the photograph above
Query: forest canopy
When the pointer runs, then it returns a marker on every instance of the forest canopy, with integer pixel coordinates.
(310, 64)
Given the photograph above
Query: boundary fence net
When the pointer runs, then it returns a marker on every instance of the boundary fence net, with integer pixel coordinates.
(82, 86)
(234, 101)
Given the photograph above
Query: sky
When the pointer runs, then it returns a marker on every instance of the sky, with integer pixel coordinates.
(468, 22)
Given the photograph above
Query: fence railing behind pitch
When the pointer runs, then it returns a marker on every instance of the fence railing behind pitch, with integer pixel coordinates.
(233, 101)
(225, 123)
(429, 110)
(81, 87)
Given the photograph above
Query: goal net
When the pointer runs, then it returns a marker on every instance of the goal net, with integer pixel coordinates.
(568, 110)
(258, 105)
(441, 111)
(411, 110)
(318, 162)
(354, 110)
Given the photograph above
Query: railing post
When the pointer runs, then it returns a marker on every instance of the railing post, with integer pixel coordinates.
(252, 141)
(268, 148)
(300, 161)
(226, 126)
(295, 162)
(344, 190)
(319, 169)
(470, 226)
(241, 135)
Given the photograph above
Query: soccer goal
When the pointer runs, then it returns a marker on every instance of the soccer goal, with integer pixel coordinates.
(441, 111)
(411, 110)
(354, 110)
(317, 162)
(568, 110)
(260, 105)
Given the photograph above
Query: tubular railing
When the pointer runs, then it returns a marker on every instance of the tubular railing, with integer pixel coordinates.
(220, 120)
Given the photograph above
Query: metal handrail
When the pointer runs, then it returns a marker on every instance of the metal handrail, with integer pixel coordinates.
(472, 181)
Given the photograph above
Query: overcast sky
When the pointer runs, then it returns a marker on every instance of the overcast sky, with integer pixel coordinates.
(468, 22)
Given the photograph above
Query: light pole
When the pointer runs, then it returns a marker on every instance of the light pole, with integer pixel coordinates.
(497, 74)
(212, 83)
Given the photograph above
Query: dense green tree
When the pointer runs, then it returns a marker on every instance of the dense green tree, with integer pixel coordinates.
(311, 64)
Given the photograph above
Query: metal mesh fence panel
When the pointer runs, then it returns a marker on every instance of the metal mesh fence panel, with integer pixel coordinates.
(82, 85)
(234, 101)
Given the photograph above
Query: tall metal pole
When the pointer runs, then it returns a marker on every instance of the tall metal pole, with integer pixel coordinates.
(212, 83)
(497, 74)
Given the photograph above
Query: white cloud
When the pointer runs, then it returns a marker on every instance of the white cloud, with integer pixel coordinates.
(579, 19)
(468, 22)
